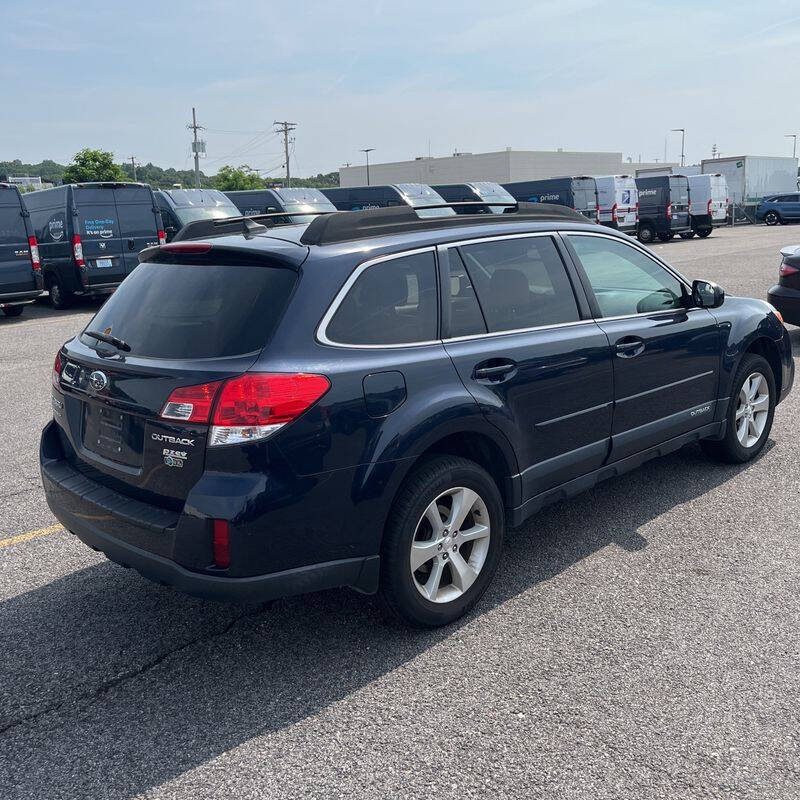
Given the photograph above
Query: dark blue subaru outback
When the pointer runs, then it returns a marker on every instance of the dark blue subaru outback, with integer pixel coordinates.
(370, 399)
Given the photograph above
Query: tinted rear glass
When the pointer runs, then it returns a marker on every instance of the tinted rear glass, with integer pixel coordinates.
(137, 219)
(12, 226)
(185, 311)
(679, 190)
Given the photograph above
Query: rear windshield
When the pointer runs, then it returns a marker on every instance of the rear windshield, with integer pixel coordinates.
(12, 226)
(182, 311)
(679, 190)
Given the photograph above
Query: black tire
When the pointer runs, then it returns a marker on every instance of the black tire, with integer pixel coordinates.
(13, 311)
(60, 298)
(646, 233)
(772, 218)
(687, 235)
(704, 233)
(426, 484)
(665, 237)
(730, 449)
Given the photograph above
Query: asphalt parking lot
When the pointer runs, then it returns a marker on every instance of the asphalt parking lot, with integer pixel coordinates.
(639, 641)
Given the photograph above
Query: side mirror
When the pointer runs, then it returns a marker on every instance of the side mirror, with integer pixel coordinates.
(706, 294)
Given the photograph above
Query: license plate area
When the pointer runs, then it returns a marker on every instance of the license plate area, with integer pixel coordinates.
(104, 263)
(113, 434)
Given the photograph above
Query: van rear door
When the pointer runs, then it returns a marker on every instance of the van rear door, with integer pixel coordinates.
(16, 272)
(97, 224)
(139, 222)
(679, 199)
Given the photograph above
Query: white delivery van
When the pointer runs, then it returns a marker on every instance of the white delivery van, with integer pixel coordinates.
(618, 202)
(708, 203)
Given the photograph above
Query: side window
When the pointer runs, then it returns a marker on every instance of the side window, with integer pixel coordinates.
(520, 283)
(625, 280)
(466, 318)
(391, 302)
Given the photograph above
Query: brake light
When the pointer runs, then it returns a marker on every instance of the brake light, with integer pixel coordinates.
(77, 251)
(669, 210)
(787, 270)
(162, 237)
(597, 212)
(222, 543)
(33, 246)
(187, 247)
(708, 208)
(55, 376)
(614, 213)
(637, 209)
(256, 405)
(191, 403)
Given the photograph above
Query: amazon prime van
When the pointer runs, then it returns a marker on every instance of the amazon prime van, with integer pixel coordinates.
(579, 193)
(663, 207)
(181, 206)
(301, 204)
(90, 235)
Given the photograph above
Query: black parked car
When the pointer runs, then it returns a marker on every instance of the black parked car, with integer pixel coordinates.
(90, 234)
(20, 268)
(785, 295)
(369, 399)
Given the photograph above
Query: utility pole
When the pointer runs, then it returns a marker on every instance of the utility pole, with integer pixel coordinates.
(286, 128)
(194, 127)
(794, 146)
(683, 141)
(366, 151)
(134, 165)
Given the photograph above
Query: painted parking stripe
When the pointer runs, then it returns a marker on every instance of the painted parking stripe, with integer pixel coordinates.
(25, 537)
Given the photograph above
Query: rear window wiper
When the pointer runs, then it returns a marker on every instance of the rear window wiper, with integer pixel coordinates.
(120, 344)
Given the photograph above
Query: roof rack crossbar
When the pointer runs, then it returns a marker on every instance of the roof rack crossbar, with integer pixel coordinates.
(350, 225)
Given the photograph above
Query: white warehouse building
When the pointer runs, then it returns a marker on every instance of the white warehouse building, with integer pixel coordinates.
(504, 166)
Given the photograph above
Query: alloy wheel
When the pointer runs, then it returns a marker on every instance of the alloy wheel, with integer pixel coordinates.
(450, 545)
(752, 410)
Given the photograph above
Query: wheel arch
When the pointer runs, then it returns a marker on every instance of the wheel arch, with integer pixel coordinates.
(766, 348)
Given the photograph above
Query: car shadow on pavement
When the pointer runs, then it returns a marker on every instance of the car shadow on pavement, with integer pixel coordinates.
(113, 686)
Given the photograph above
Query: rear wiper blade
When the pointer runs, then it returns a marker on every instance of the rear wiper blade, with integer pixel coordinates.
(120, 344)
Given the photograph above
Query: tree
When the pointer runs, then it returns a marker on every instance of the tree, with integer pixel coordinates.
(93, 165)
(231, 179)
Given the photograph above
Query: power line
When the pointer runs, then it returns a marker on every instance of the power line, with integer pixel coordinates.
(286, 128)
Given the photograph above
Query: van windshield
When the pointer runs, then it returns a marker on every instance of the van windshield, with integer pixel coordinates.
(418, 194)
(304, 200)
(188, 311)
(489, 191)
(186, 215)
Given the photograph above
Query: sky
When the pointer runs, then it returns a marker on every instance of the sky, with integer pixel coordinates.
(405, 78)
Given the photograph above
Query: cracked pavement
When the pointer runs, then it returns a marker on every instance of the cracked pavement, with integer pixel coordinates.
(640, 640)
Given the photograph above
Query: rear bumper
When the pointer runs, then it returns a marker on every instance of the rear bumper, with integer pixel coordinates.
(787, 301)
(139, 535)
(19, 298)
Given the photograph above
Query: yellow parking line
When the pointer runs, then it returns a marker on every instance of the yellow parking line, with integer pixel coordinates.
(24, 537)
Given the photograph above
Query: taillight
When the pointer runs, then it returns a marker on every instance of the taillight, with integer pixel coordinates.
(597, 212)
(191, 403)
(77, 250)
(256, 405)
(614, 213)
(55, 376)
(708, 208)
(669, 210)
(222, 543)
(637, 209)
(33, 246)
(162, 237)
(787, 270)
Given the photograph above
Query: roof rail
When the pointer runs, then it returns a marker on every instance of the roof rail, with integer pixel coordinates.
(249, 226)
(346, 226)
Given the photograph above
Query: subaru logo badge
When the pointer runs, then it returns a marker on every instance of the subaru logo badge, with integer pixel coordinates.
(98, 381)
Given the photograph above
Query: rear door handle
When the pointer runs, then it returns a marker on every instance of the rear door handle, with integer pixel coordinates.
(495, 372)
(629, 347)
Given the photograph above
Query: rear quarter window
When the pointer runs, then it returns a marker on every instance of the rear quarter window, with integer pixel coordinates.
(182, 311)
(390, 302)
